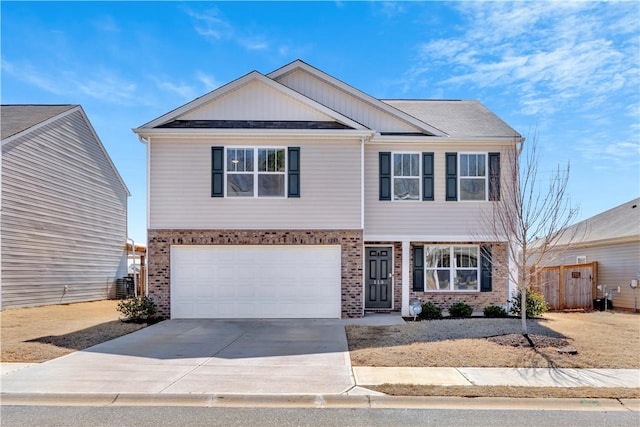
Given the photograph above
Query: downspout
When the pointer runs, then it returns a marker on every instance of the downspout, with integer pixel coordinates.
(362, 141)
(133, 251)
(147, 143)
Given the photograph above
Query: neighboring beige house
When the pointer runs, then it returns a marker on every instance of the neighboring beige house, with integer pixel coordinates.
(612, 239)
(64, 209)
(293, 195)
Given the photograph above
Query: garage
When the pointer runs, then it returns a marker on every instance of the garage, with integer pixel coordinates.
(260, 281)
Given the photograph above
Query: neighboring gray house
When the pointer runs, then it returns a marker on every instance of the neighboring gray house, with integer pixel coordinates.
(612, 239)
(293, 194)
(64, 209)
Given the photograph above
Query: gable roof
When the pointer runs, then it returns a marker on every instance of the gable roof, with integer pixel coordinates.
(299, 65)
(336, 105)
(22, 119)
(17, 118)
(252, 76)
(618, 224)
(457, 118)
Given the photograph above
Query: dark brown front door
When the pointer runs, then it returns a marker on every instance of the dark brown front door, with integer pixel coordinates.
(378, 288)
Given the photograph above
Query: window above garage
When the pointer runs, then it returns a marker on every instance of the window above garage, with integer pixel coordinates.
(255, 172)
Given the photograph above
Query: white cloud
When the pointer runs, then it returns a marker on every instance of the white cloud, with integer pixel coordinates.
(210, 25)
(573, 66)
(101, 84)
(183, 90)
(210, 83)
(254, 43)
(551, 54)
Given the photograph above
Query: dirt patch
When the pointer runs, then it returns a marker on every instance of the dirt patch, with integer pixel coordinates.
(602, 340)
(539, 341)
(38, 334)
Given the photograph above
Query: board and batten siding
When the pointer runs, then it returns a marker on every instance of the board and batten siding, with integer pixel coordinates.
(618, 264)
(258, 101)
(180, 188)
(64, 217)
(344, 102)
(434, 219)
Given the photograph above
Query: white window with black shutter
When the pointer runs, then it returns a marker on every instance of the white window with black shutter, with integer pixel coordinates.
(452, 268)
(406, 176)
(255, 172)
(472, 176)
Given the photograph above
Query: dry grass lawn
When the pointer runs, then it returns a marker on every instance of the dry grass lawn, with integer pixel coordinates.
(509, 391)
(602, 340)
(37, 334)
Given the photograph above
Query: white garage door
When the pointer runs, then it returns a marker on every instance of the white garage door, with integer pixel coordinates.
(269, 281)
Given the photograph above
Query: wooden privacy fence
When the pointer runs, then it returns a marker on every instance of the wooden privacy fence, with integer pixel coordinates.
(567, 287)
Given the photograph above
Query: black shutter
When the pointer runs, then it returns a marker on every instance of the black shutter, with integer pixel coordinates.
(385, 176)
(494, 176)
(293, 172)
(418, 268)
(452, 176)
(427, 176)
(217, 171)
(485, 268)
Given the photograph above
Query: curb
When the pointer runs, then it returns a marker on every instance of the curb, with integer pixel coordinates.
(315, 401)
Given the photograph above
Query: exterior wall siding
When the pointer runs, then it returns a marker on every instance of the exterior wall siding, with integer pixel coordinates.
(618, 264)
(258, 101)
(435, 219)
(347, 104)
(499, 294)
(159, 251)
(180, 188)
(64, 217)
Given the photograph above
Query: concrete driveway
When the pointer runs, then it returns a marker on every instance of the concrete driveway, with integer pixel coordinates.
(203, 356)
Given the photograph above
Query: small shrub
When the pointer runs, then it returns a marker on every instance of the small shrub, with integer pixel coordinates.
(536, 305)
(137, 310)
(430, 311)
(494, 311)
(460, 309)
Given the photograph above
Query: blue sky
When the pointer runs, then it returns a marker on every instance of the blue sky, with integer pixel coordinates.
(569, 72)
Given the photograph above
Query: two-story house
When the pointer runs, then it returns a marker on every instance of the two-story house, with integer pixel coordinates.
(293, 194)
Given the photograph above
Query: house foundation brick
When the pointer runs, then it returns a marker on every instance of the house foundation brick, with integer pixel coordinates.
(350, 241)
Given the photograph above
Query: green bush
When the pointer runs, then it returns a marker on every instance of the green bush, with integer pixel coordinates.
(430, 311)
(494, 311)
(536, 305)
(137, 310)
(460, 309)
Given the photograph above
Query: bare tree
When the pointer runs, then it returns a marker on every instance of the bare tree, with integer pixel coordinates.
(533, 214)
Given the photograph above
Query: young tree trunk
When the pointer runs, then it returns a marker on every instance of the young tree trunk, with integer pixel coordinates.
(523, 311)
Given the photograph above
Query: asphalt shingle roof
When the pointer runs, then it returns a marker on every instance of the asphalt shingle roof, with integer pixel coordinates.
(17, 118)
(456, 117)
(621, 222)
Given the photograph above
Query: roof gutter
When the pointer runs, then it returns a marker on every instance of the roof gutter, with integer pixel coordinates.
(251, 133)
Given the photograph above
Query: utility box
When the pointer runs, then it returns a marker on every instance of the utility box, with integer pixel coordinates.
(598, 304)
(124, 288)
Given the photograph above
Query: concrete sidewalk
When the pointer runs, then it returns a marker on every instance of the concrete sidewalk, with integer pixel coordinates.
(363, 376)
(516, 377)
